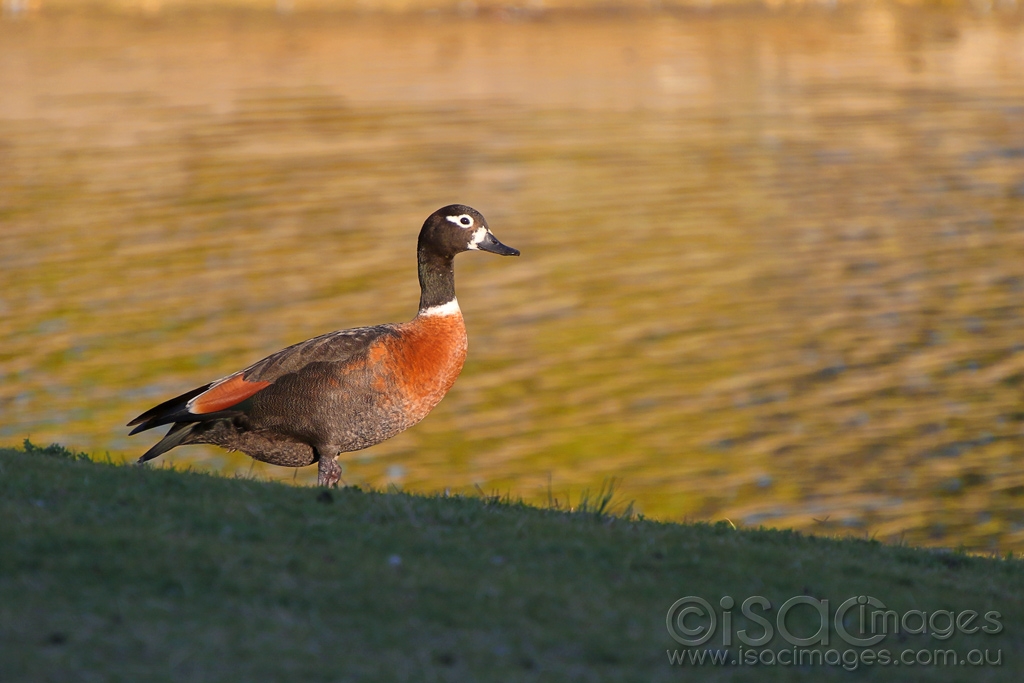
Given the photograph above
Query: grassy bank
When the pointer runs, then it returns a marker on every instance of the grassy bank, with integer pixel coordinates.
(126, 573)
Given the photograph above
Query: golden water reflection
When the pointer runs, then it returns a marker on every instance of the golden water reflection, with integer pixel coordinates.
(772, 271)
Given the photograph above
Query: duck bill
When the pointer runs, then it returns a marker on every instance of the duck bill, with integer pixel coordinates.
(490, 243)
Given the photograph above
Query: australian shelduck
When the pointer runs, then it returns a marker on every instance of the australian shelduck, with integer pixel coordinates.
(341, 391)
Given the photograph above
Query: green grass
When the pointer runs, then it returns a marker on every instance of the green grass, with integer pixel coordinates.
(115, 573)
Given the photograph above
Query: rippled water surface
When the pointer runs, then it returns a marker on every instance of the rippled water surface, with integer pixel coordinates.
(772, 271)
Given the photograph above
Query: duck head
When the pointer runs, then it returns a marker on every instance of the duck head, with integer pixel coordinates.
(457, 228)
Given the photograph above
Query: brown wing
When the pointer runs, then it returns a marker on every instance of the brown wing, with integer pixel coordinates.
(224, 397)
(333, 347)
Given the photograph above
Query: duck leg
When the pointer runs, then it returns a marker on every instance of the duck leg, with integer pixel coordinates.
(329, 471)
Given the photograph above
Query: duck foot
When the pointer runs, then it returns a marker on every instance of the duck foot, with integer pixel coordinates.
(329, 473)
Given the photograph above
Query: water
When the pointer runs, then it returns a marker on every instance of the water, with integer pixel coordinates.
(772, 262)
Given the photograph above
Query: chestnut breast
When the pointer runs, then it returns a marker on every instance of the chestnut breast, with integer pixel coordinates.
(424, 359)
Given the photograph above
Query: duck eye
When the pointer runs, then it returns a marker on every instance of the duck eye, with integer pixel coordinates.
(462, 220)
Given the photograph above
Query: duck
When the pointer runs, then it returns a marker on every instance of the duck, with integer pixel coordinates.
(346, 390)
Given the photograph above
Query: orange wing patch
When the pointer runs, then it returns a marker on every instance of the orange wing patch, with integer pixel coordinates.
(224, 395)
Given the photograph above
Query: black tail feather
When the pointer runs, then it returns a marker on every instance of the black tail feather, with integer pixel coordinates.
(167, 412)
(175, 436)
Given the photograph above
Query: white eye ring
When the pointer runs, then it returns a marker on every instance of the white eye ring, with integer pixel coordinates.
(462, 220)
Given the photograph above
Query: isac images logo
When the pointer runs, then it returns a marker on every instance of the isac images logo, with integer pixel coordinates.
(851, 635)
